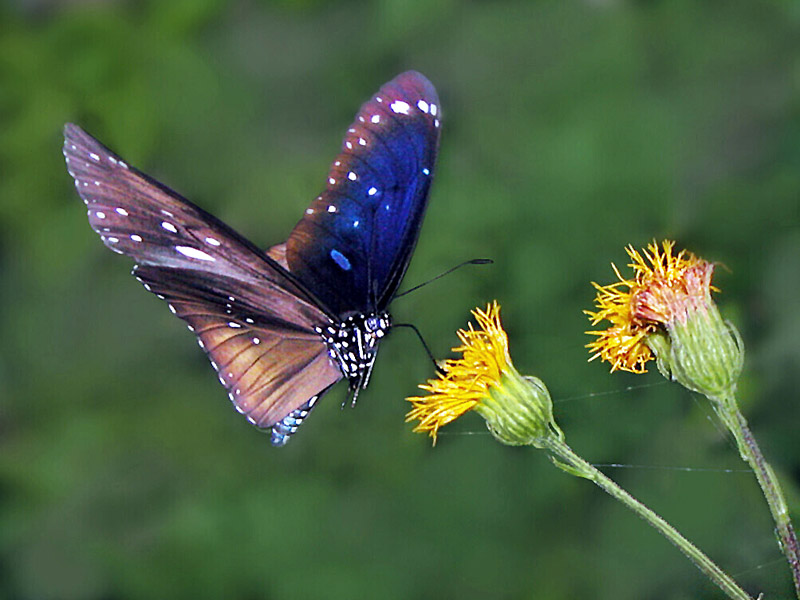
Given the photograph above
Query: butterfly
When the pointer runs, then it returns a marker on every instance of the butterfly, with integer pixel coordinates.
(281, 327)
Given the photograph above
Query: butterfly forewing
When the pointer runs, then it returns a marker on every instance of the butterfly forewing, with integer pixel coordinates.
(354, 243)
(139, 217)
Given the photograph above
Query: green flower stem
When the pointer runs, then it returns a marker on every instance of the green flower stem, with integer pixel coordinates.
(574, 464)
(729, 412)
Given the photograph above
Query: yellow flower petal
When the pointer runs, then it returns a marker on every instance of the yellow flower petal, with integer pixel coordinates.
(464, 381)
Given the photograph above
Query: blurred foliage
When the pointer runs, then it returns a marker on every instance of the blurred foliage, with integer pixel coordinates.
(571, 129)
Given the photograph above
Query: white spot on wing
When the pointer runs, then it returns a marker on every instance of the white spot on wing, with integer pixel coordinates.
(256, 341)
(331, 208)
(399, 106)
(372, 191)
(376, 118)
(121, 211)
(212, 241)
(434, 109)
(423, 106)
(100, 214)
(169, 226)
(331, 180)
(426, 171)
(136, 238)
(94, 157)
(362, 141)
(194, 253)
(352, 176)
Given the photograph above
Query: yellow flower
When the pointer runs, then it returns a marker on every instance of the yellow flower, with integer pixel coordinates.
(517, 409)
(666, 311)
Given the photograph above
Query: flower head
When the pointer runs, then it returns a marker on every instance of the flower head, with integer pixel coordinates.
(517, 409)
(666, 311)
(624, 305)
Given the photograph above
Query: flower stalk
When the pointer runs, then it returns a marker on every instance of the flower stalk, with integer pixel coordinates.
(750, 452)
(574, 464)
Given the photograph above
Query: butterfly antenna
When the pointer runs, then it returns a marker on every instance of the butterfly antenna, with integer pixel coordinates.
(474, 261)
(424, 344)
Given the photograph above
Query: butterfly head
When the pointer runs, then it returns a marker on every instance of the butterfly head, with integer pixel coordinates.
(377, 325)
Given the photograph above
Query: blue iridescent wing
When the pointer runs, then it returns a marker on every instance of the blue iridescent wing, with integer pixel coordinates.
(354, 243)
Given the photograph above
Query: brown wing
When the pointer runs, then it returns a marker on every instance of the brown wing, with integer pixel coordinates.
(254, 320)
(270, 366)
(140, 217)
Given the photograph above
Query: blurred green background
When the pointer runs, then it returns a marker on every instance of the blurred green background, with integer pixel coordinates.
(570, 130)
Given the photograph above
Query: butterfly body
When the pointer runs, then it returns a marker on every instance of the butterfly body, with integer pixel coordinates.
(281, 327)
(353, 344)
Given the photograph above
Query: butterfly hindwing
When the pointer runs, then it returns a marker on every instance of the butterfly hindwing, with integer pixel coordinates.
(353, 245)
(269, 366)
